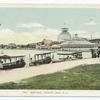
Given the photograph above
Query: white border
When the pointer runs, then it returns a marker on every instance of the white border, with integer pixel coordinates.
(52, 1)
(45, 92)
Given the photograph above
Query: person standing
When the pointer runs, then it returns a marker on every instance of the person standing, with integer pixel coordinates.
(98, 52)
(93, 52)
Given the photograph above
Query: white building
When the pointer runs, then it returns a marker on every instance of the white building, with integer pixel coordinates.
(78, 43)
(74, 43)
(64, 35)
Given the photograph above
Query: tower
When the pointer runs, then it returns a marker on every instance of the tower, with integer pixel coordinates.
(64, 35)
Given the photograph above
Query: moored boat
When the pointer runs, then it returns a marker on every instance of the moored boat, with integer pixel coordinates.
(10, 62)
(41, 58)
(63, 56)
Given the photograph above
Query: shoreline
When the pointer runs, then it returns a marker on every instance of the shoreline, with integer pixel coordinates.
(52, 50)
(15, 75)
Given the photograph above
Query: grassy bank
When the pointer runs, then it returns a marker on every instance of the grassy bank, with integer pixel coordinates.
(79, 78)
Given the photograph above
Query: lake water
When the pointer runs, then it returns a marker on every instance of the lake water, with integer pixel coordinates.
(30, 53)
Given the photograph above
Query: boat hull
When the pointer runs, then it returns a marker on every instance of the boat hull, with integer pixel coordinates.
(12, 65)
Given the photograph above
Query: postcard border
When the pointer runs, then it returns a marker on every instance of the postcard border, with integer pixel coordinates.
(48, 92)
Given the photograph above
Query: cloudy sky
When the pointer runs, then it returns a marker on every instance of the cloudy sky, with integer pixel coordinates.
(28, 25)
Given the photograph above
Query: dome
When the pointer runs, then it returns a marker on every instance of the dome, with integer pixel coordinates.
(64, 35)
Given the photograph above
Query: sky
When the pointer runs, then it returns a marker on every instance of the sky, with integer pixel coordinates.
(29, 25)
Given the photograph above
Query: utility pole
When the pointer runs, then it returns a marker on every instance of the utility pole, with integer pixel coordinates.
(91, 37)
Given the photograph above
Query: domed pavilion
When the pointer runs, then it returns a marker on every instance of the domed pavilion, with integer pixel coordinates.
(78, 43)
(64, 35)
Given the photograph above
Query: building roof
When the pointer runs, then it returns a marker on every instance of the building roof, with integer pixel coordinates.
(55, 46)
(78, 43)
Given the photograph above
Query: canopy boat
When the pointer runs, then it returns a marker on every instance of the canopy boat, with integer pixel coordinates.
(41, 58)
(10, 62)
(73, 55)
(63, 56)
